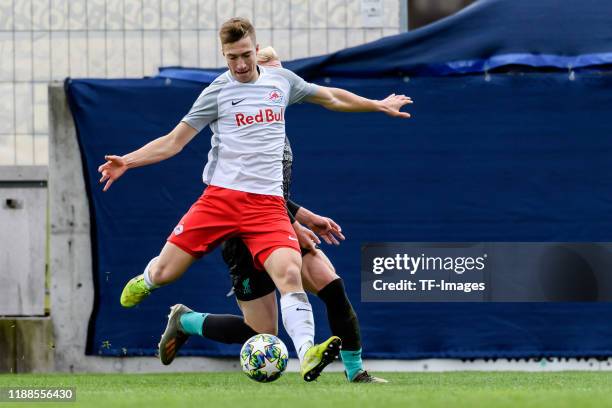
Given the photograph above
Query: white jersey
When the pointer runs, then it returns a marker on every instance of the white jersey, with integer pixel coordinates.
(248, 125)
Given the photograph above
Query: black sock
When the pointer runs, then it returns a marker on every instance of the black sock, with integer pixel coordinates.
(341, 315)
(225, 328)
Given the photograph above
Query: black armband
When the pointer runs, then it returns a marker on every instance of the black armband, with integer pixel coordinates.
(293, 207)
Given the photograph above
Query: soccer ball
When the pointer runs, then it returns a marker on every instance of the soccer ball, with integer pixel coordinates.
(264, 357)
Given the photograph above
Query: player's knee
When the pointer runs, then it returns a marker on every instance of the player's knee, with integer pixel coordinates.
(318, 270)
(161, 273)
(290, 277)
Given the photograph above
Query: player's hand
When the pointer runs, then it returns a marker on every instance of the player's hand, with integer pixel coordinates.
(326, 228)
(306, 238)
(114, 168)
(393, 103)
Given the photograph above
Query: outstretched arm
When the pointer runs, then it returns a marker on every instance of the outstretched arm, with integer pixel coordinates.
(155, 151)
(337, 99)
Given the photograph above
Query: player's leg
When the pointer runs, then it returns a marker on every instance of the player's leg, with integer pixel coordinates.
(319, 277)
(254, 289)
(261, 314)
(284, 265)
(267, 232)
(270, 238)
(184, 322)
(170, 265)
(255, 293)
(317, 271)
(207, 223)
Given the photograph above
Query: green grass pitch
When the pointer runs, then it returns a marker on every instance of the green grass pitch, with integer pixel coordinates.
(423, 390)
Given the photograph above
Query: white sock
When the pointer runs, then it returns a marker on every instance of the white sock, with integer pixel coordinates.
(298, 320)
(147, 278)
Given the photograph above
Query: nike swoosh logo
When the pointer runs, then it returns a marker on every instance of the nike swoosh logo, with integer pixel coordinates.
(305, 310)
(291, 238)
(237, 102)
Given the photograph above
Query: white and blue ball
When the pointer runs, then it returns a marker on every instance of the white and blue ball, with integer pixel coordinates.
(264, 358)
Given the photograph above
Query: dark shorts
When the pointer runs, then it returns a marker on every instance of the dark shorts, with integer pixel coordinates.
(248, 282)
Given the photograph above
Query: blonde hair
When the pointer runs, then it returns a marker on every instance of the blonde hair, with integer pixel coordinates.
(268, 56)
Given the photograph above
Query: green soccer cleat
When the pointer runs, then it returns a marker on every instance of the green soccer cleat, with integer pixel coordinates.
(134, 292)
(174, 337)
(365, 377)
(319, 356)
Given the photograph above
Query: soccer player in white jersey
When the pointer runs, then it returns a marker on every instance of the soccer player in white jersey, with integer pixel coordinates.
(245, 108)
(255, 291)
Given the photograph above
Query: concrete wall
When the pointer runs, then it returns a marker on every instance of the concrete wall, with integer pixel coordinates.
(23, 211)
(26, 345)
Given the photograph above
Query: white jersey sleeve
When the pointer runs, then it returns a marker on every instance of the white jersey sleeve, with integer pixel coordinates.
(206, 108)
(300, 89)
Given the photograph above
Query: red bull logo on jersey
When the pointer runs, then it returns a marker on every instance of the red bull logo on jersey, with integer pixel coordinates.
(262, 116)
(275, 96)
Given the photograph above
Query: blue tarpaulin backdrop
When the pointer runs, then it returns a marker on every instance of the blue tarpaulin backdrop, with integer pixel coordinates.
(502, 157)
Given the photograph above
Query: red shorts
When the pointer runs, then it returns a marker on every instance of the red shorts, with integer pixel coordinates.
(221, 213)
